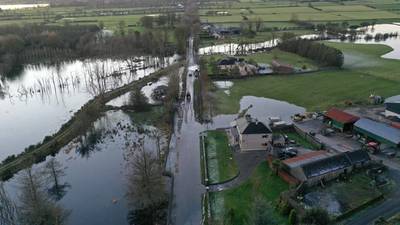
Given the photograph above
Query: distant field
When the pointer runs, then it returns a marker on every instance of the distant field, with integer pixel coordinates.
(305, 13)
(364, 72)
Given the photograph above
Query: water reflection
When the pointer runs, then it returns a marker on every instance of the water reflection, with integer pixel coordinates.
(93, 186)
(44, 97)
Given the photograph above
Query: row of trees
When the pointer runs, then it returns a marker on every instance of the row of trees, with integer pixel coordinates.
(323, 54)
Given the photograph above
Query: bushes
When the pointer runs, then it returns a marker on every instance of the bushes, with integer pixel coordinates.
(319, 52)
(316, 216)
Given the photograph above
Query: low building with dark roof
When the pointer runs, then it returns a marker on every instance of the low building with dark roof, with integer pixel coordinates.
(340, 120)
(392, 106)
(379, 132)
(320, 166)
(253, 135)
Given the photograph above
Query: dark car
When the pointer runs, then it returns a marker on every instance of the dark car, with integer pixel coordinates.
(188, 96)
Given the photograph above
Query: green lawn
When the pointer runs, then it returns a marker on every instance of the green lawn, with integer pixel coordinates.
(221, 165)
(364, 72)
(262, 184)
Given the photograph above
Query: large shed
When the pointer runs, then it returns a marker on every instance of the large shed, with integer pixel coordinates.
(379, 132)
(340, 120)
(392, 106)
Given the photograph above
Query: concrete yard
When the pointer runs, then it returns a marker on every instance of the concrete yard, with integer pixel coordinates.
(337, 142)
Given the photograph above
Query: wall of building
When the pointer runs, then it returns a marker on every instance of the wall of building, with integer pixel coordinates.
(250, 142)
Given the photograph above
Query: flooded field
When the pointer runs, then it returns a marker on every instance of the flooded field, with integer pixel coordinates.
(43, 97)
(96, 175)
(22, 6)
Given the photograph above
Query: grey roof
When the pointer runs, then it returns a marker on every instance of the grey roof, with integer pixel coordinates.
(326, 165)
(379, 129)
(251, 126)
(393, 99)
(358, 156)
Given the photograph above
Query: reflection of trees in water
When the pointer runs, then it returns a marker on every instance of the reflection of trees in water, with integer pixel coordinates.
(8, 210)
(146, 186)
(88, 142)
(35, 206)
(52, 172)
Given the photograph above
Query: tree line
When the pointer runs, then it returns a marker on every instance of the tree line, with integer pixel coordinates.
(35, 42)
(323, 54)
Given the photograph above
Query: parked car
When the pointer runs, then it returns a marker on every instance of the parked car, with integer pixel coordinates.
(188, 96)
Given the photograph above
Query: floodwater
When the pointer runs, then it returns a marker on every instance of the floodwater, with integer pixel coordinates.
(36, 102)
(393, 42)
(22, 6)
(96, 171)
(234, 48)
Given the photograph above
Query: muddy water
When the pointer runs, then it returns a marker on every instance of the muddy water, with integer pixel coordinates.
(22, 6)
(36, 102)
(96, 172)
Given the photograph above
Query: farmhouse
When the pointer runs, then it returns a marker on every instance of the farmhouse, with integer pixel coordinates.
(320, 166)
(280, 68)
(252, 134)
(340, 120)
(392, 107)
(379, 132)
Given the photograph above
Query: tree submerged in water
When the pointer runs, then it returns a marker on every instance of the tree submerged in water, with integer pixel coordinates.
(138, 100)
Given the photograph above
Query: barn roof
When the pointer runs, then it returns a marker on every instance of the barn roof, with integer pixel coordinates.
(358, 156)
(305, 158)
(326, 165)
(341, 116)
(379, 129)
(393, 99)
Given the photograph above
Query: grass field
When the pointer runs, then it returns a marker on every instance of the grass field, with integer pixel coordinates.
(221, 165)
(331, 12)
(364, 73)
(262, 184)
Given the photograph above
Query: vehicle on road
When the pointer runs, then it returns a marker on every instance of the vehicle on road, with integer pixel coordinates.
(188, 96)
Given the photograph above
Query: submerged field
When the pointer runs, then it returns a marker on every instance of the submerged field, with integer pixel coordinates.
(364, 73)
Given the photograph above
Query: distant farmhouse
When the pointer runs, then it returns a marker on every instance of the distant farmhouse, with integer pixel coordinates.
(340, 120)
(250, 134)
(281, 68)
(392, 107)
(320, 166)
(379, 132)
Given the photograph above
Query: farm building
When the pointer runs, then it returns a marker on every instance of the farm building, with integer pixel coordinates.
(320, 166)
(379, 132)
(229, 63)
(392, 107)
(280, 68)
(252, 134)
(340, 120)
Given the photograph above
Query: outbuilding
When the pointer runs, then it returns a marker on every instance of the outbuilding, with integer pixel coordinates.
(392, 107)
(340, 120)
(379, 132)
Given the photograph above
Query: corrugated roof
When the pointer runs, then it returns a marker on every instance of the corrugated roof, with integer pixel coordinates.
(305, 158)
(379, 129)
(341, 116)
(393, 99)
(358, 156)
(327, 165)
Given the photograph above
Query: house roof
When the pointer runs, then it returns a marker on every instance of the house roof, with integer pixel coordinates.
(305, 158)
(247, 125)
(379, 129)
(358, 156)
(341, 116)
(393, 99)
(230, 61)
(326, 165)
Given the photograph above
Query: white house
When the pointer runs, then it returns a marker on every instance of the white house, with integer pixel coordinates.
(252, 134)
(392, 106)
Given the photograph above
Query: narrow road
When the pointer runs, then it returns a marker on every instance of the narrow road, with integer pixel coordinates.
(186, 154)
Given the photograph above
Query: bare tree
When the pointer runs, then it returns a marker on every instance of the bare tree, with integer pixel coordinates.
(35, 207)
(53, 171)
